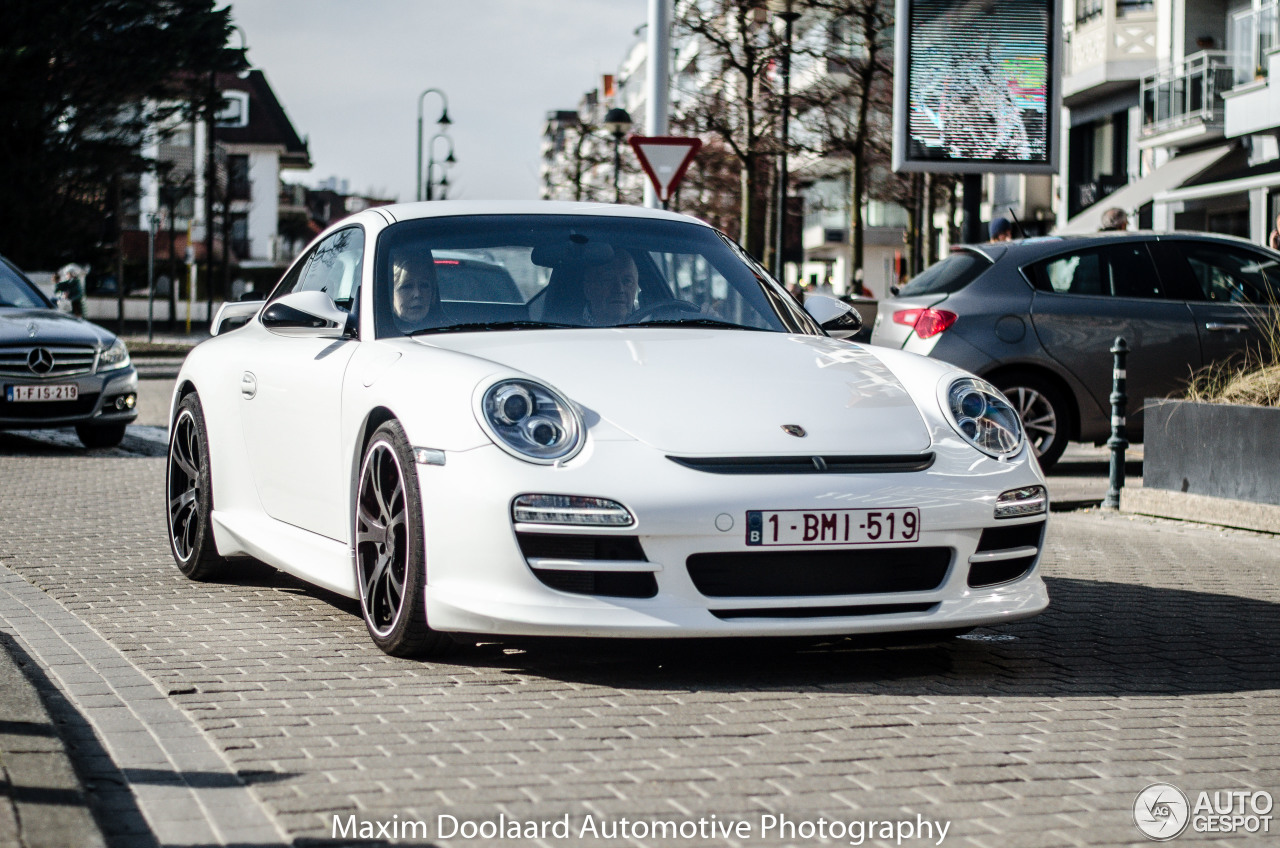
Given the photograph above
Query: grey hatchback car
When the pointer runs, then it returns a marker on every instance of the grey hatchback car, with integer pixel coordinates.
(1037, 318)
(57, 370)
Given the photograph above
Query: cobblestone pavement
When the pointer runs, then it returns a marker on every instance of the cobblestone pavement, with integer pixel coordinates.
(1156, 662)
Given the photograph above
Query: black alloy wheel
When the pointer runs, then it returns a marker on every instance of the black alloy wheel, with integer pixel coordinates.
(189, 487)
(390, 559)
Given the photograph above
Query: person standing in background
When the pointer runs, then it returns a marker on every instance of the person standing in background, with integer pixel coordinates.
(1114, 219)
(69, 281)
(1273, 240)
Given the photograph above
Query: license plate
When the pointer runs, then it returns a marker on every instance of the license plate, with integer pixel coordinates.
(27, 394)
(833, 527)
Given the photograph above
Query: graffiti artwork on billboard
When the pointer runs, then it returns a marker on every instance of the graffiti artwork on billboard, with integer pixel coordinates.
(978, 81)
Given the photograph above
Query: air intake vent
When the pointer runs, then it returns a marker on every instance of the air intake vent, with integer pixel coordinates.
(833, 464)
(541, 550)
(1012, 536)
(579, 546)
(786, 574)
(824, 612)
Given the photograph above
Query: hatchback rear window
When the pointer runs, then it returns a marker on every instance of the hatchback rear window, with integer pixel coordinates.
(948, 276)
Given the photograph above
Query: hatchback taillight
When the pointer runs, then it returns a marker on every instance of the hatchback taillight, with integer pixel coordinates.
(925, 322)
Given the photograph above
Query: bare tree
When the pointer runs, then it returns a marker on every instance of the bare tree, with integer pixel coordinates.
(727, 97)
(847, 110)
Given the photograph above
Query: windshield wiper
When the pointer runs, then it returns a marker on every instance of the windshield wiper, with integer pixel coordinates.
(687, 322)
(492, 325)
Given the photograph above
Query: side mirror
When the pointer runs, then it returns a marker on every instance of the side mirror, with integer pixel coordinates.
(305, 314)
(231, 316)
(838, 318)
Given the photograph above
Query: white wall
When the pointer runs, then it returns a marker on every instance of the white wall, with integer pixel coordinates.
(264, 207)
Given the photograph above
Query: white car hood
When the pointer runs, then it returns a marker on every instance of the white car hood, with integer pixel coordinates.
(716, 392)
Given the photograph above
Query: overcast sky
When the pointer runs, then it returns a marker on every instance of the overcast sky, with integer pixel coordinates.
(349, 73)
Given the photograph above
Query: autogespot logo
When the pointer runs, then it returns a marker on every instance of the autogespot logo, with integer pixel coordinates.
(1161, 811)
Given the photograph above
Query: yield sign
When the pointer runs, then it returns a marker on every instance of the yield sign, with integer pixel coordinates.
(665, 159)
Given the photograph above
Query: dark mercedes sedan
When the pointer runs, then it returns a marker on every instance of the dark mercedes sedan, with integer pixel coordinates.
(57, 370)
(1037, 318)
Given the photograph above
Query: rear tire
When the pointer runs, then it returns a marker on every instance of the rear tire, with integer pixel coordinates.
(100, 435)
(390, 556)
(1045, 414)
(189, 487)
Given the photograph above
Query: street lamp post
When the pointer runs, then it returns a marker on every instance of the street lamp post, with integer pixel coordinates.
(153, 222)
(443, 121)
(617, 121)
(432, 162)
(784, 10)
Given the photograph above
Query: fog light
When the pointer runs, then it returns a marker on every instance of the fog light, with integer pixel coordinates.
(126, 402)
(570, 509)
(1016, 503)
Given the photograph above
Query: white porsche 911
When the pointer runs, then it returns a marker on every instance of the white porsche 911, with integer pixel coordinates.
(574, 419)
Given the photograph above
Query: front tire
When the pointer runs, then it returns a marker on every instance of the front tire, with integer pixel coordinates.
(189, 486)
(390, 557)
(1046, 417)
(100, 435)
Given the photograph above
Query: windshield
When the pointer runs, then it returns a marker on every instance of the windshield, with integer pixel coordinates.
(16, 291)
(513, 272)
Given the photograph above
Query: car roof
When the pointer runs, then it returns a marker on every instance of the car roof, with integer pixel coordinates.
(1022, 250)
(445, 208)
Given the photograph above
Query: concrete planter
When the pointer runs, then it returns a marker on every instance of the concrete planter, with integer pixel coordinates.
(1218, 450)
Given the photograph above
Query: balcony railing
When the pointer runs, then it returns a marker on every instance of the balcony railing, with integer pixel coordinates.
(1186, 93)
(1253, 34)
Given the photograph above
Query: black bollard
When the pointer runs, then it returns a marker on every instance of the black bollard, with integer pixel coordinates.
(1118, 441)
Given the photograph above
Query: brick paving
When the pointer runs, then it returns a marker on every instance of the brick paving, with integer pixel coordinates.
(1156, 662)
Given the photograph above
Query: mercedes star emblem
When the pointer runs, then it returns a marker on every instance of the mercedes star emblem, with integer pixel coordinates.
(40, 361)
(793, 430)
(32, 329)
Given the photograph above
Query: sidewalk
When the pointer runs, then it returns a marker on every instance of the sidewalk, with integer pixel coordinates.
(42, 802)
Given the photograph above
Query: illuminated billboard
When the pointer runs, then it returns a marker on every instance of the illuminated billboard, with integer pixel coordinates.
(976, 86)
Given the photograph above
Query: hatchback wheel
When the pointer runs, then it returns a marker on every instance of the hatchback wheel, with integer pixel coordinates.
(189, 485)
(390, 557)
(1044, 412)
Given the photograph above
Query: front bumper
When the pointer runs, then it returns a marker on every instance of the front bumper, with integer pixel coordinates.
(480, 581)
(95, 403)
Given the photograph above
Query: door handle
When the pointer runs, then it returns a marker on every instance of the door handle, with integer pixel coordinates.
(248, 385)
(1218, 327)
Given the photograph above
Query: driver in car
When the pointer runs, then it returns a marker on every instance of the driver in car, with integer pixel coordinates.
(611, 290)
(414, 290)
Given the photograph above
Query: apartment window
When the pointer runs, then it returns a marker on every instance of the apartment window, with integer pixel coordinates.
(235, 109)
(238, 186)
(240, 236)
(1129, 7)
(1087, 10)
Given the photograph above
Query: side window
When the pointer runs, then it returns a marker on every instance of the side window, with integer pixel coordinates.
(1077, 273)
(334, 267)
(1119, 270)
(1232, 275)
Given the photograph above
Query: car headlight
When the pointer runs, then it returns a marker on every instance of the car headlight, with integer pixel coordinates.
(116, 356)
(980, 414)
(531, 421)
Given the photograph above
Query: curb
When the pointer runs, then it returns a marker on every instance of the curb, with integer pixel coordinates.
(1184, 506)
(157, 779)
